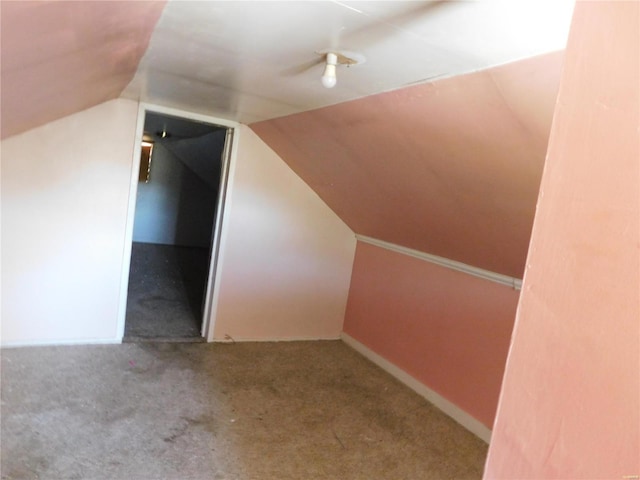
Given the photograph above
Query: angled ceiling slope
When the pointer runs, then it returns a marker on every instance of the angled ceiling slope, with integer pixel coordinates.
(60, 57)
(240, 60)
(450, 168)
(245, 60)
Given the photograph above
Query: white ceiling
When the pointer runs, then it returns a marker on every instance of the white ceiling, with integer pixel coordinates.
(240, 60)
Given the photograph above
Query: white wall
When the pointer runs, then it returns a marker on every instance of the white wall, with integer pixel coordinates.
(65, 189)
(286, 258)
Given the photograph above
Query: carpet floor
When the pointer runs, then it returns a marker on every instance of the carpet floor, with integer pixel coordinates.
(165, 294)
(291, 410)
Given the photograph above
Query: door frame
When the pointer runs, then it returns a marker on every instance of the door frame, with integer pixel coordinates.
(222, 205)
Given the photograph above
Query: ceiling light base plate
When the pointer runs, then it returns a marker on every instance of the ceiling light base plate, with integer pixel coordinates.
(345, 57)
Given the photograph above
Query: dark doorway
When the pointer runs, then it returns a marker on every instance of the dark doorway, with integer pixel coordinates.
(177, 194)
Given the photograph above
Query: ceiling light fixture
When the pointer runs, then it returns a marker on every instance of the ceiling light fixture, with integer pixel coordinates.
(329, 75)
(333, 58)
(163, 133)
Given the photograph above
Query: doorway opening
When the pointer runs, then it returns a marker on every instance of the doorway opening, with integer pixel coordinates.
(181, 183)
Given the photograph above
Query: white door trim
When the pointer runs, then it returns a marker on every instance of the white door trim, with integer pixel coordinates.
(219, 233)
(215, 262)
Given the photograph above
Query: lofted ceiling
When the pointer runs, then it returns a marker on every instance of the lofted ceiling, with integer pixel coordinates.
(246, 60)
(60, 57)
(436, 141)
(191, 142)
(451, 168)
(242, 60)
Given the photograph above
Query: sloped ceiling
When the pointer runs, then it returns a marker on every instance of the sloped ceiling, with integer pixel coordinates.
(202, 155)
(451, 168)
(197, 145)
(250, 60)
(61, 57)
(254, 60)
(429, 144)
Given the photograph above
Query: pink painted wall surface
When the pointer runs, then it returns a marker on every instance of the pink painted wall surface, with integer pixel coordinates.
(65, 191)
(447, 329)
(450, 168)
(60, 57)
(570, 402)
(286, 258)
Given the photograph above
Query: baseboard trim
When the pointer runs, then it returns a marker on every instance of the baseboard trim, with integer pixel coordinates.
(114, 341)
(230, 339)
(62, 342)
(512, 282)
(450, 409)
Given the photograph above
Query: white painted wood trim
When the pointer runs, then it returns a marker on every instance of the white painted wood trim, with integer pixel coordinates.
(515, 283)
(212, 292)
(463, 418)
(222, 232)
(128, 230)
(143, 108)
(176, 112)
(276, 339)
(63, 342)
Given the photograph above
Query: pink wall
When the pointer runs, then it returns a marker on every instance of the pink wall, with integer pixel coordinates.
(447, 329)
(450, 168)
(286, 258)
(570, 403)
(62, 57)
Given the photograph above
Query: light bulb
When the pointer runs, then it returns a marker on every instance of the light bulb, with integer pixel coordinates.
(329, 75)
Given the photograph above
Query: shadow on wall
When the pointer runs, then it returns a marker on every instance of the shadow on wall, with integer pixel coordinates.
(199, 185)
(177, 205)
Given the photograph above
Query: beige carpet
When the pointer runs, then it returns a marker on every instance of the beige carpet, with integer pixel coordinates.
(303, 410)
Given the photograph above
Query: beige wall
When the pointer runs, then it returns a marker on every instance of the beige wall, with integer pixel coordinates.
(65, 188)
(570, 401)
(286, 258)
